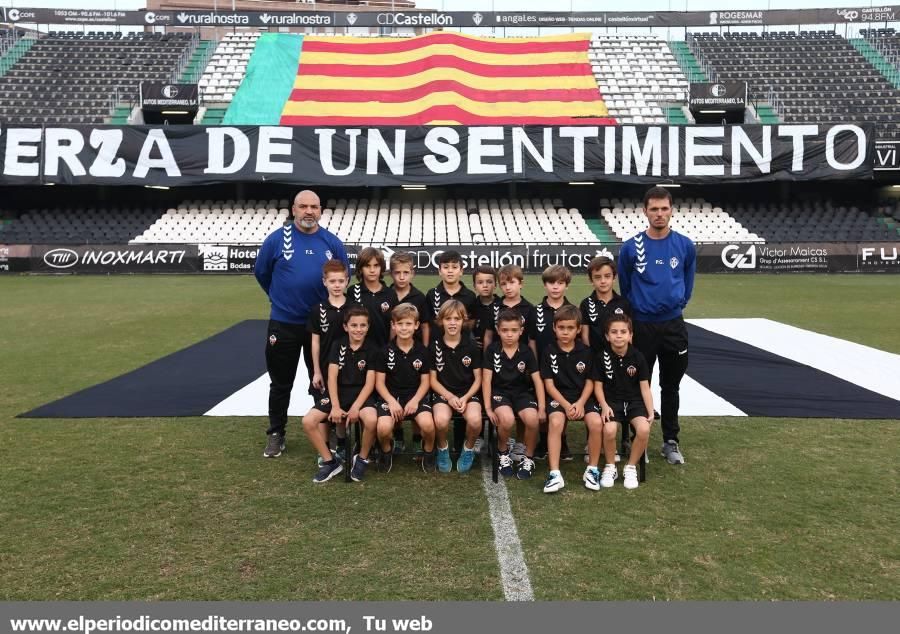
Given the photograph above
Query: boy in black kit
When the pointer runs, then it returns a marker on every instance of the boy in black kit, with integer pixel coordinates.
(566, 367)
(371, 292)
(623, 392)
(351, 381)
(403, 272)
(455, 383)
(484, 280)
(556, 281)
(450, 270)
(402, 382)
(512, 386)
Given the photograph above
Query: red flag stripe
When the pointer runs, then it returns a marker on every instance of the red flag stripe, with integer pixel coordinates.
(411, 94)
(444, 61)
(412, 44)
(441, 113)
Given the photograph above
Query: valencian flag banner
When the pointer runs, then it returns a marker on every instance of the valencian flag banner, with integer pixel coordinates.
(445, 78)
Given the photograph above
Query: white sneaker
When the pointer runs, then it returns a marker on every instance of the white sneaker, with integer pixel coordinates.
(631, 478)
(518, 452)
(591, 478)
(554, 482)
(609, 476)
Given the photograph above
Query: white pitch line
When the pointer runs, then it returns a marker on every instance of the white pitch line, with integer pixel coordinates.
(511, 559)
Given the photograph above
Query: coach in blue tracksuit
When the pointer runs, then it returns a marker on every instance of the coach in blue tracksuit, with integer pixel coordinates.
(656, 274)
(289, 269)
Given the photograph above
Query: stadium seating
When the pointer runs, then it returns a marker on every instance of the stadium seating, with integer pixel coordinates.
(227, 67)
(78, 225)
(78, 78)
(811, 221)
(814, 77)
(637, 75)
(694, 217)
(452, 221)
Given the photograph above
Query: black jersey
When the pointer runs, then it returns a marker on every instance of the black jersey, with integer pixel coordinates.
(595, 312)
(379, 305)
(327, 321)
(484, 319)
(569, 370)
(455, 367)
(437, 296)
(404, 370)
(510, 375)
(542, 326)
(526, 312)
(352, 364)
(621, 376)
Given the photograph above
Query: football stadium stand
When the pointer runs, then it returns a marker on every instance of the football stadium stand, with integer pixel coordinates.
(694, 217)
(809, 77)
(227, 67)
(77, 78)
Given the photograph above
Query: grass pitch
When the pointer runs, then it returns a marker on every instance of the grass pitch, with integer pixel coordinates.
(187, 508)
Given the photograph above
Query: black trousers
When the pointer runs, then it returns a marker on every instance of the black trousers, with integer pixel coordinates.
(284, 345)
(668, 342)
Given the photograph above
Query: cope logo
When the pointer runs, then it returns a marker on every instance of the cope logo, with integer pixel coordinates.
(733, 258)
(215, 258)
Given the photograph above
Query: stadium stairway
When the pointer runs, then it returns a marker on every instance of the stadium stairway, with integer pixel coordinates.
(688, 63)
(14, 53)
(888, 70)
(600, 229)
(214, 115)
(197, 62)
(120, 115)
(766, 113)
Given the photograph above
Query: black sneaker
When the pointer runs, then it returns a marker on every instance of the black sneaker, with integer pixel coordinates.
(541, 452)
(386, 461)
(358, 472)
(274, 446)
(328, 470)
(429, 462)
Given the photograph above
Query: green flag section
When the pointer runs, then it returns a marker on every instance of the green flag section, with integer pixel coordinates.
(269, 81)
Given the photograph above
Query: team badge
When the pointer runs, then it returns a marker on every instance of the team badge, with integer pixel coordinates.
(619, 311)
(324, 401)
(273, 340)
(673, 262)
(467, 361)
(328, 254)
(520, 366)
(554, 403)
(385, 307)
(361, 365)
(417, 364)
(580, 367)
(631, 370)
(498, 399)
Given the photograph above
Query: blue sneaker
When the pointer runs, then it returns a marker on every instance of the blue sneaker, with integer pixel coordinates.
(358, 472)
(328, 470)
(466, 458)
(526, 469)
(444, 464)
(506, 465)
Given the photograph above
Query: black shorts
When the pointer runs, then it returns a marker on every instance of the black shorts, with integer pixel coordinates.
(554, 407)
(624, 411)
(437, 398)
(403, 399)
(323, 401)
(517, 402)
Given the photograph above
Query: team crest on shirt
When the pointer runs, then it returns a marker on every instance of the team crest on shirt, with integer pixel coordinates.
(466, 361)
(554, 403)
(631, 370)
(580, 367)
(385, 307)
(324, 401)
(673, 262)
(520, 366)
(417, 364)
(361, 365)
(328, 254)
(273, 340)
(498, 398)
(619, 311)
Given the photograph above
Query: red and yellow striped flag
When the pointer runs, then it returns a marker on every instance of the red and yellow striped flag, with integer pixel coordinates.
(445, 78)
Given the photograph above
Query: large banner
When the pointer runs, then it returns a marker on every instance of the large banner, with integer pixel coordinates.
(799, 257)
(437, 155)
(416, 18)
